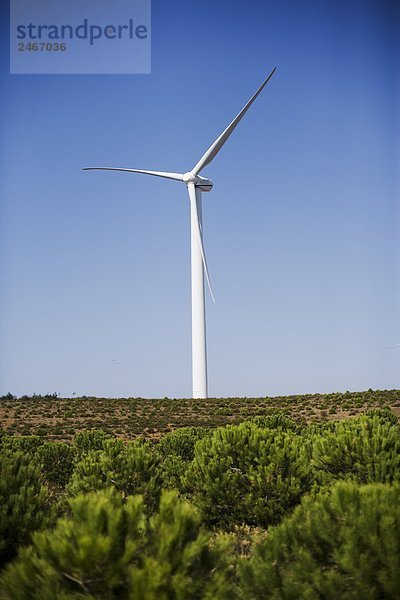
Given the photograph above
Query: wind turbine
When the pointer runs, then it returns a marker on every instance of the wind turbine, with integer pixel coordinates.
(195, 185)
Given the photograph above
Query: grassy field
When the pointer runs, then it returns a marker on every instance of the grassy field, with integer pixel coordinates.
(61, 418)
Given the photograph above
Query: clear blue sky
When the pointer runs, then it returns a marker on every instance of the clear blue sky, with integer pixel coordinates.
(301, 229)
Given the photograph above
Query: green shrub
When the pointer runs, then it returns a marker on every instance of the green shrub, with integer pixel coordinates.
(173, 470)
(320, 427)
(131, 468)
(365, 449)
(386, 415)
(276, 420)
(181, 442)
(180, 562)
(245, 474)
(92, 439)
(343, 544)
(24, 503)
(56, 460)
(25, 443)
(107, 549)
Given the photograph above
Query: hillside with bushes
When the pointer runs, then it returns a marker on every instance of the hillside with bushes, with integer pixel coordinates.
(61, 418)
(272, 506)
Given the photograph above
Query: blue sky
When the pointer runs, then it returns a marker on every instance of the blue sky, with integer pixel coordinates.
(301, 228)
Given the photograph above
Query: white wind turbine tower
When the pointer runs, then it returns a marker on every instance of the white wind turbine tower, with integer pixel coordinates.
(195, 185)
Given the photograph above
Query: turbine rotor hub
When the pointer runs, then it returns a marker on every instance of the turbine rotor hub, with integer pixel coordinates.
(201, 182)
(190, 177)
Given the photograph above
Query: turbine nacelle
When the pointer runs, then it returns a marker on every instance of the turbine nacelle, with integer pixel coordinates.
(201, 182)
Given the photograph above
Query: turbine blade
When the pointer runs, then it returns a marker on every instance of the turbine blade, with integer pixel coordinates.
(176, 176)
(220, 141)
(194, 209)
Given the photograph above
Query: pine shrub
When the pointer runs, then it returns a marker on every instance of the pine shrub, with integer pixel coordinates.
(24, 443)
(365, 449)
(24, 503)
(107, 549)
(180, 562)
(344, 543)
(319, 428)
(181, 442)
(91, 439)
(276, 420)
(385, 415)
(173, 470)
(56, 460)
(131, 468)
(245, 474)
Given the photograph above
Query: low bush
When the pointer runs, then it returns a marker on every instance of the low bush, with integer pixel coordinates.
(181, 442)
(56, 461)
(276, 420)
(91, 439)
(108, 549)
(132, 468)
(344, 543)
(245, 474)
(385, 415)
(24, 503)
(365, 449)
(173, 470)
(24, 443)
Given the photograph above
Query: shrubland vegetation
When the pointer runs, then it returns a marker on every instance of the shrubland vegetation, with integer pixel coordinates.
(61, 418)
(270, 504)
